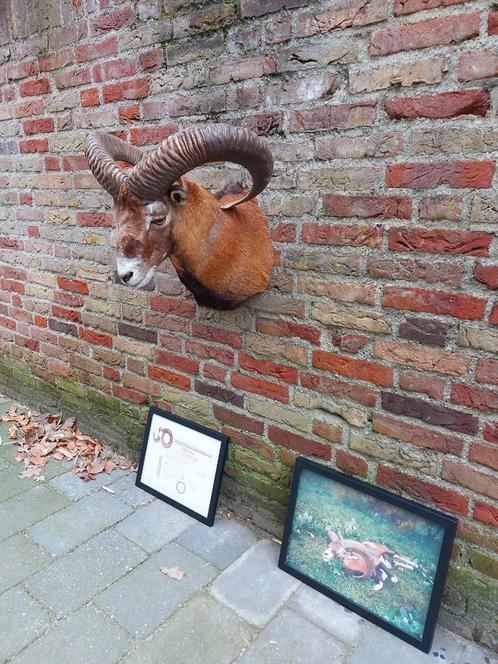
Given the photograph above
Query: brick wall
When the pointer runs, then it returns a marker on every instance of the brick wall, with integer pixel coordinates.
(374, 349)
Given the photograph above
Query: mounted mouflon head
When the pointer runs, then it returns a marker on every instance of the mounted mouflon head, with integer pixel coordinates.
(220, 247)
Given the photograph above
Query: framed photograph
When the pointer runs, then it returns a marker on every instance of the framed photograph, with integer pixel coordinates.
(182, 464)
(377, 554)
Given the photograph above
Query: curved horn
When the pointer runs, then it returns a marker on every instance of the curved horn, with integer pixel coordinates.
(181, 152)
(101, 151)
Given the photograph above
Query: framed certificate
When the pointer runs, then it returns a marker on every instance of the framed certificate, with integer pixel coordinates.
(182, 464)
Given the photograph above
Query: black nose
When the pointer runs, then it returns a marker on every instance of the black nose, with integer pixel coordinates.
(126, 277)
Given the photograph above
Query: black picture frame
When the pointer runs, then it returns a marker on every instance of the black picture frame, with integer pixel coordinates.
(447, 523)
(222, 448)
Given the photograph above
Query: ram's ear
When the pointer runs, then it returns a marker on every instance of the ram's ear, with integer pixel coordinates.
(177, 195)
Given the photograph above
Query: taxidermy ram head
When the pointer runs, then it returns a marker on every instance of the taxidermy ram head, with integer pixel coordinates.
(220, 247)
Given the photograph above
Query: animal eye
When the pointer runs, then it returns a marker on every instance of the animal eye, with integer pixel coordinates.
(159, 222)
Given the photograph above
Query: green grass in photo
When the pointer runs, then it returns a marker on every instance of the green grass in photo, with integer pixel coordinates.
(323, 503)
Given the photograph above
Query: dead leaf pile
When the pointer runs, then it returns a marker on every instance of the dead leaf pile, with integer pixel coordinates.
(46, 436)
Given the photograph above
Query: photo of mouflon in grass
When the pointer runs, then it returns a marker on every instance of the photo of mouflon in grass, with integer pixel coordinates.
(381, 558)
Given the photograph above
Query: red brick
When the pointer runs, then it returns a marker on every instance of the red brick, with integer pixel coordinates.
(474, 397)
(40, 86)
(34, 145)
(8, 323)
(242, 69)
(351, 464)
(416, 434)
(210, 352)
(487, 371)
(470, 478)
(152, 60)
(94, 337)
(118, 68)
(283, 232)
(30, 107)
(151, 135)
(459, 305)
(11, 285)
(423, 34)
(129, 113)
(493, 316)
(477, 65)
(355, 235)
(71, 79)
(338, 388)
(339, 116)
(485, 512)
(122, 17)
(353, 368)
(299, 443)
(52, 164)
(367, 207)
(136, 88)
(237, 420)
(68, 314)
(444, 105)
(73, 285)
(30, 344)
(340, 15)
(96, 50)
(177, 362)
(350, 342)
(455, 174)
(441, 207)
(94, 219)
(493, 23)
(490, 432)
(219, 393)
(169, 377)
(328, 431)
(414, 381)
(487, 274)
(129, 394)
(484, 454)
(40, 321)
(401, 7)
(38, 126)
(90, 97)
(260, 386)
(112, 373)
(267, 368)
(284, 328)
(172, 306)
(215, 372)
(444, 499)
(218, 335)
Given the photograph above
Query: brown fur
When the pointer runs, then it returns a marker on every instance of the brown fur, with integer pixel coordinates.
(226, 253)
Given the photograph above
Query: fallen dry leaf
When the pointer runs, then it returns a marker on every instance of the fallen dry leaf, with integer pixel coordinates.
(13, 432)
(173, 572)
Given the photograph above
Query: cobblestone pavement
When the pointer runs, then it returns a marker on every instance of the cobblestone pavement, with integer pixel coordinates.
(80, 582)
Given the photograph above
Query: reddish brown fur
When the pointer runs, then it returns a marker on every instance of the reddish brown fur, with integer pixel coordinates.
(228, 251)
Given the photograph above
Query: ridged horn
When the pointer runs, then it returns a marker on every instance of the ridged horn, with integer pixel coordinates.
(102, 151)
(191, 147)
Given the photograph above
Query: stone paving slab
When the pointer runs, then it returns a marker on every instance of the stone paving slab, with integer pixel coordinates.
(75, 578)
(125, 490)
(30, 620)
(19, 558)
(329, 616)
(221, 544)
(61, 532)
(11, 484)
(291, 639)
(142, 599)
(203, 631)
(155, 525)
(36, 504)
(71, 486)
(86, 637)
(253, 586)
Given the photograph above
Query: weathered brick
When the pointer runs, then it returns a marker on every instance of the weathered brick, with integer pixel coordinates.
(344, 291)
(486, 513)
(487, 371)
(357, 318)
(359, 178)
(430, 72)
(490, 432)
(443, 105)
(443, 498)
(414, 381)
(71, 79)
(462, 306)
(416, 434)
(350, 343)
(342, 14)
(303, 89)
(474, 397)
(455, 174)
(426, 331)
(133, 89)
(40, 86)
(121, 17)
(441, 240)
(428, 359)
(479, 338)
(261, 7)
(441, 207)
(476, 65)
(487, 275)
(354, 235)
(352, 147)
(486, 455)
(241, 70)
(219, 393)
(493, 23)
(431, 32)
(152, 60)
(96, 50)
(151, 135)
(325, 385)
(351, 464)
(340, 116)
(456, 420)
(353, 368)
(169, 377)
(260, 386)
(401, 7)
(238, 420)
(470, 478)
(412, 269)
